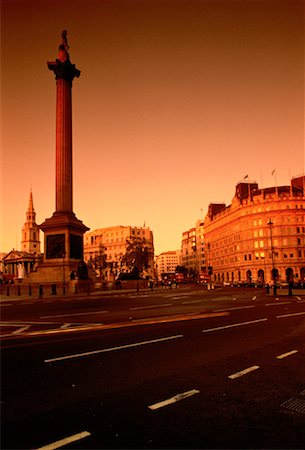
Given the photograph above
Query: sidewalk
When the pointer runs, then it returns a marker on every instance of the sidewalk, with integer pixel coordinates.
(284, 293)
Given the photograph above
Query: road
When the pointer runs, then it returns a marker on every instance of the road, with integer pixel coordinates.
(181, 368)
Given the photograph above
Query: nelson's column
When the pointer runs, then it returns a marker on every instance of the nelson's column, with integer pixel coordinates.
(63, 232)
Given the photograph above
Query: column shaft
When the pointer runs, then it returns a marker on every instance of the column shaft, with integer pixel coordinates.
(64, 201)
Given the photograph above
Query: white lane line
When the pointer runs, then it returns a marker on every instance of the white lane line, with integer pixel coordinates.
(290, 315)
(276, 304)
(7, 304)
(20, 330)
(254, 298)
(121, 347)
(235, 308)
(299, 298)
(192, 301)
(284, 355)
(65, 325)
(243, 372)
(174, 399)
(176, 295)
(74, 314)
(233, 325)
(149, 307)
(65, 441)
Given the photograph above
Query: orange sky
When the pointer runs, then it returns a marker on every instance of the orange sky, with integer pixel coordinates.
(177, 101)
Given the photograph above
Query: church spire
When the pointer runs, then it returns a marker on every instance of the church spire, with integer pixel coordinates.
(30, 232)
(31, 215)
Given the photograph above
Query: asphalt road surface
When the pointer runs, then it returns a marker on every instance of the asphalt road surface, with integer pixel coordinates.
(183, 368)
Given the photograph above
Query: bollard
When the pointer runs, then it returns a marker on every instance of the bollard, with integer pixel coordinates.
(53, 289)
(30, 289)
(40, 291)
(18, 291)
(267, 288)
(8, 290)
(290, 289)
(137, 287)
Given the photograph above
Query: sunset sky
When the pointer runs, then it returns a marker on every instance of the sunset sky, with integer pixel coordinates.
(177, 101)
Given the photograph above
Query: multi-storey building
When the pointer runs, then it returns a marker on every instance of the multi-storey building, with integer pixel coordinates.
(166, 263)
(108, 245)
(193, 255)
(260, 236)
(188, 250)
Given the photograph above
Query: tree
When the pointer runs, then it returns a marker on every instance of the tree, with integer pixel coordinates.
(137, 256)
(181, 269)
(98, 261)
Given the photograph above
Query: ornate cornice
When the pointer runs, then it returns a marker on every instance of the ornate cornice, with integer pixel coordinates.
(64, 70)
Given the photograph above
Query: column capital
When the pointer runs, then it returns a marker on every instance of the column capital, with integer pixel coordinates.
(64, 69)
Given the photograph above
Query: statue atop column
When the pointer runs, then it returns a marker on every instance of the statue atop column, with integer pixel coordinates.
(63, 54)
(62, 67)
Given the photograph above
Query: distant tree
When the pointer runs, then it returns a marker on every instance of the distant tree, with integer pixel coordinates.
(181, 269)
(137, 256)
(98, 262)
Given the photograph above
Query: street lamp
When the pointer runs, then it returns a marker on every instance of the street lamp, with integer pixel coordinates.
(63, 274)
(270, 224)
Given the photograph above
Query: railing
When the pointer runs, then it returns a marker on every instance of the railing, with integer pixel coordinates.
(40, 290)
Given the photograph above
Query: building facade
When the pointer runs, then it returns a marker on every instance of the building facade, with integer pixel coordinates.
(260, 236)
(105, 248)
(188, 250)
(18, 264)
(166, 264)
(193, 254)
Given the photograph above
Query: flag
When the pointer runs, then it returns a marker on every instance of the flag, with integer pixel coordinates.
(272, 173)
(245, 177)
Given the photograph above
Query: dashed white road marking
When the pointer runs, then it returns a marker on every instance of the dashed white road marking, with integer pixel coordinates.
(149, 307)
(192, 301)
(235, 308)
(74, 314)
(65, 325)
(7, 304)
(20, 330)
(243, 372)
(207, 330)
(174, 399)
(299, 298)
(284, 355)
(176, 295)
(254, 298)
(121, 347)
(276, 304)
(65, 441)
(290, 315)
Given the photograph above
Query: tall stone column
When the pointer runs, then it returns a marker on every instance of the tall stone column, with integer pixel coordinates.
(64, 72)
(64, 199)
(63, 232)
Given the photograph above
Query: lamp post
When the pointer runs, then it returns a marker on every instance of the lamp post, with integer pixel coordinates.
(270, 224)
(63, 274)
(209, 281)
